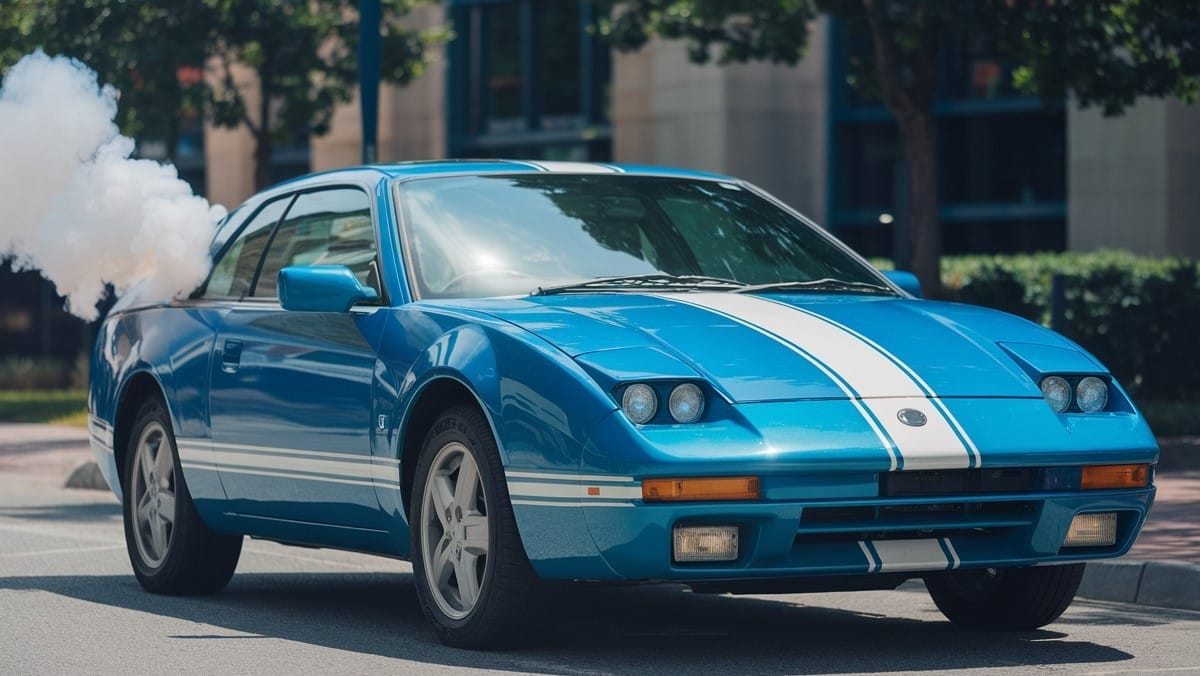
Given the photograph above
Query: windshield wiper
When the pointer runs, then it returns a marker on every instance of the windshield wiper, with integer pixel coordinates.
(826, 284)
(654, 280)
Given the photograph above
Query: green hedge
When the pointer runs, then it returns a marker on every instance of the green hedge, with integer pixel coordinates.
(1140, 316)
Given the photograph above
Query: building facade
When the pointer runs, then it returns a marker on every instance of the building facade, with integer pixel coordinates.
(527, 79)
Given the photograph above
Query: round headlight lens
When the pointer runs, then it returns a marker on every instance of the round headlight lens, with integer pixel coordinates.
(1091, 394)
(686, 403)
(640, 403)
(1057, 392)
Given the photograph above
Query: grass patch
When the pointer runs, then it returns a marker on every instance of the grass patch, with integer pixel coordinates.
(41, 406)
(1172, 418)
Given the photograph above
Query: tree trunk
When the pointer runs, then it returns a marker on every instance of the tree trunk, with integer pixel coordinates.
(924, 224)
(263, 152)
(910, 101)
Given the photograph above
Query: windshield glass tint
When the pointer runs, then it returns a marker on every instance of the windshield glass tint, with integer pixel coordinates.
(479, 236)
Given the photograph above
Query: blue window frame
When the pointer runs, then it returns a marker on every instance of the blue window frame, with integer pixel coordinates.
(528, 79)
(1001, 157)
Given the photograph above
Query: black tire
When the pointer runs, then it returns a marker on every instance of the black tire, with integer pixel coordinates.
(193, 559)
(1005, 599)
(504, 612)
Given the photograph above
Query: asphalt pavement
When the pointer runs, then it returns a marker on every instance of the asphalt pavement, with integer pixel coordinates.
(1162, 569)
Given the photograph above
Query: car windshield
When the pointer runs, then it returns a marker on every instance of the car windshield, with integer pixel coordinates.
(480, 236)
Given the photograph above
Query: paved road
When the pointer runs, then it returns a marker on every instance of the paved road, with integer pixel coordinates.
(69, 604)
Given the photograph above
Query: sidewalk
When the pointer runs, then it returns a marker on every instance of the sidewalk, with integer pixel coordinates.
(1162, 569)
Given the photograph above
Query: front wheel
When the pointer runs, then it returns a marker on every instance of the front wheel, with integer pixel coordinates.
(474, 582)
(1010, 599)
(171, 549)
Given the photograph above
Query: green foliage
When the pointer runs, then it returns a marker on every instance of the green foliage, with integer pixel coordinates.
(1172, 418)
(1104, 52)
(1139, 316)
(24, 373)
(137, 47)
(40, 406)
(304, 55)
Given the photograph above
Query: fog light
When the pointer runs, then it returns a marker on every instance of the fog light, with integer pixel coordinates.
(1092, 530)
(706, 543)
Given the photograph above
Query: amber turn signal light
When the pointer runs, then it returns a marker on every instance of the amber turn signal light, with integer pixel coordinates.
(707, 488)
(1114, 476)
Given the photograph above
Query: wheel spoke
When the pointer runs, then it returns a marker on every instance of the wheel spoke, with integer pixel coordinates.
(145, 510)
(166, 506)
(143, 502)
(467, 488)
(468, 580)
(442, 497)
(164, 465)
(144, 459)
(475, 534)
(158, 536)
(442, 564)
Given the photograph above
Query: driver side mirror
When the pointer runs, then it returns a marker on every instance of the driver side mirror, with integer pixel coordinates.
(905, 280)
(321, 288)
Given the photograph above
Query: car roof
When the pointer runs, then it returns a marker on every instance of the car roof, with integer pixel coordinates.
(466, 167)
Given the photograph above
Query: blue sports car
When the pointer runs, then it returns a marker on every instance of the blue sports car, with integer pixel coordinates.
(517, 372)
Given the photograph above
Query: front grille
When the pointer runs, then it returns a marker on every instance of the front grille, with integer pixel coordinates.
(943, 518)
(955, 482)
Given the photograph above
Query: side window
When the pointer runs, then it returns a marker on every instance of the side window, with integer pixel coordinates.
(234, 272)
(327, 227)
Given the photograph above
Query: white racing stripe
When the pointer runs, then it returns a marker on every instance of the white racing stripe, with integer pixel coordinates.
(561, 489)
(889, 556)
(876, 381)
(575, 490)
(287, 463)
(925, 388)
(573, 167)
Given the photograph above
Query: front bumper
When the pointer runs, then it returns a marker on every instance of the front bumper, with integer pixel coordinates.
(842, 537)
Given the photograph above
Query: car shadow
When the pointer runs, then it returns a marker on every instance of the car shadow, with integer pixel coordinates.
(84, 512)
(614, 630)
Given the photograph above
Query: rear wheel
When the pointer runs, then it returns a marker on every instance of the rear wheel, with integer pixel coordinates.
(170, 547)
(474, 582)
(1005, 598)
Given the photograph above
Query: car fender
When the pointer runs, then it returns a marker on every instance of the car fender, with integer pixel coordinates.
(541, 406)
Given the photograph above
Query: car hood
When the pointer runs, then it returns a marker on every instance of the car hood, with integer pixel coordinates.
(780, 347)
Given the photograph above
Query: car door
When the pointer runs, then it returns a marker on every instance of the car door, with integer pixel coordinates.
(291, 392)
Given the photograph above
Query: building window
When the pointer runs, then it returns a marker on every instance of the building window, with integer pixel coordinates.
(527, 79)
(1001, 157)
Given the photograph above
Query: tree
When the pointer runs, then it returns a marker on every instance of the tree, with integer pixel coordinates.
(1102, 53)
(304, 57)
(140, 48)
(302, 54)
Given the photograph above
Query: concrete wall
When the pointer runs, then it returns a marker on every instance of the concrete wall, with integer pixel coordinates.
(1133, 181)
(229, 153)
(763, 122)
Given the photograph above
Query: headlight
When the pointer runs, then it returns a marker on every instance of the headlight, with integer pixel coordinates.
(1091, 394)
(1057, 392)
(640, 403)
(686, 403)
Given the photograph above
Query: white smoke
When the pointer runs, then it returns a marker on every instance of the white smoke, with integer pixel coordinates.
(75, 206)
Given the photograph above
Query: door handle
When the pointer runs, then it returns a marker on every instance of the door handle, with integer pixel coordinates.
(231, 356)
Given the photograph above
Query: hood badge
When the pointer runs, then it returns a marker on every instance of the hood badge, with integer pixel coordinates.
(912, 417)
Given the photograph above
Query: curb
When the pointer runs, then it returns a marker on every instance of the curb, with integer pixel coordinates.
(1165, 584)
(86, 475)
